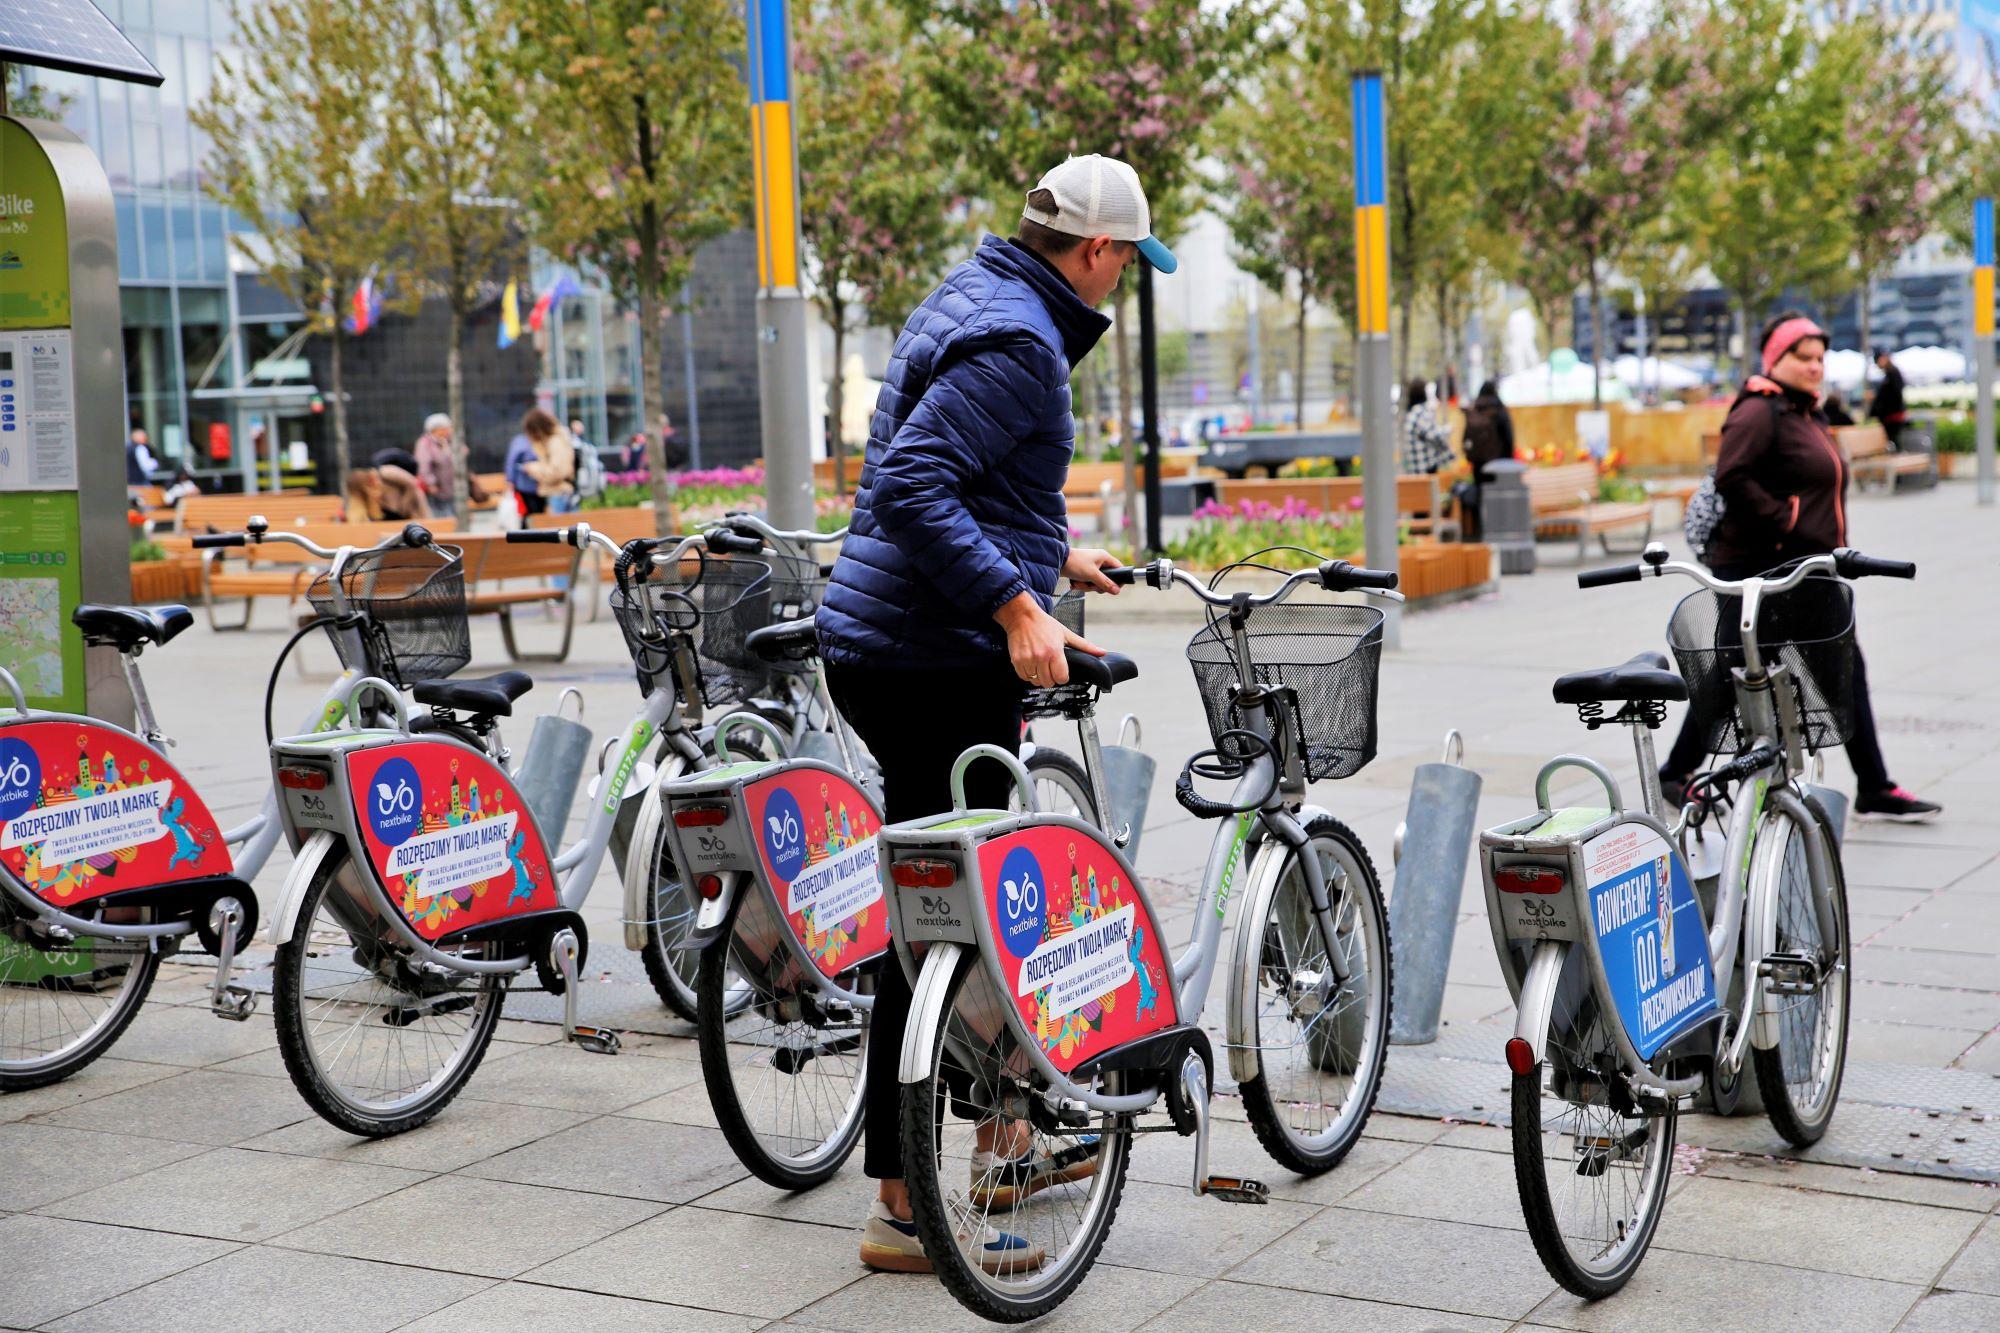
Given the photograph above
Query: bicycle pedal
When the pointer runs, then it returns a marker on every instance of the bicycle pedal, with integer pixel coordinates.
(236, 1003)
(1790, 973)
(598, 1041)
(1236, 1189)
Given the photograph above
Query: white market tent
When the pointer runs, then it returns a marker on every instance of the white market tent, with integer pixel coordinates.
(1920, 365)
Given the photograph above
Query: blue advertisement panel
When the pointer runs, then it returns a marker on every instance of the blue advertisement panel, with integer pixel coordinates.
(1650, 935)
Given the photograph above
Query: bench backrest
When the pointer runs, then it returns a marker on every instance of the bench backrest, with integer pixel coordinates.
(1416, 492)
(1711, 447)
(1862, 441)
(494, 484)
(1564, 486)
(490, 557)
(621, 525)
(228, 513)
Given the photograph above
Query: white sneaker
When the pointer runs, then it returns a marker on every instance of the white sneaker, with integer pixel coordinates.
(1004, 1182)
(891, 1245)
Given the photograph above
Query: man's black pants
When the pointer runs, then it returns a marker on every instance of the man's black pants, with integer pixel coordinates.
(917, 723)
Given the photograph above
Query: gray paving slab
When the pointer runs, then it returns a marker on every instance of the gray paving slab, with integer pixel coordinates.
(638, 1159)
(1953, 1312)
(527, 1305)
(40, 1163)
(257, 1289)
(1111, 1298)
(840, 1202)
(1834, 1233)
(468, 1132)
(495, 1228)
(1454, 1184)
(193, 1106)
(717, 1261)
(100, 1078)
(55, 1267)
(187, 1035)
(233, 1195)
(571, 1079)
(1977, 1268)
(1863, 1182)
(1673, 1289)
(1165, 1229)
(1233, 1307)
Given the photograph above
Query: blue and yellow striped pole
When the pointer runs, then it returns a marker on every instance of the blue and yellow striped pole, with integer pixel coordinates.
(783, 364)
(1982, 339)
(1375, 384)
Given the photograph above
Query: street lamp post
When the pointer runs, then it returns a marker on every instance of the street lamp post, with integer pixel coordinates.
(1371, 331)
(783, 365)
(1982, 339)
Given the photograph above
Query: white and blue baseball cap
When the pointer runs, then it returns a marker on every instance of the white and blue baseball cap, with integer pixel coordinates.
(1098, 196)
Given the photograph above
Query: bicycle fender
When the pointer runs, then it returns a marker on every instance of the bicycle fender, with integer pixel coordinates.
(1266, 866)
(1767, 864)
(637, 872)
(927, 1006)
(1538, 995)
(305, 868)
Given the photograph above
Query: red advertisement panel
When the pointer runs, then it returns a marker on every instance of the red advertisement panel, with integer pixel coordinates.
(449, 836)
(86, 811)
(1081, 951)
(816, 842)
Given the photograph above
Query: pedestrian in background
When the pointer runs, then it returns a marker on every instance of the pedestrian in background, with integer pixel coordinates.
(1888, 406)
(1783, 483)
(1489, 438)
(437, 463)
(1426, 444)
(139, 461)
(553, 465)
(528, 498)
(589, 464)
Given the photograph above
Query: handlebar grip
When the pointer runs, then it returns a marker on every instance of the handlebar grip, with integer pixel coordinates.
(1599, 578)
(518, 536)
(1122, 575)
(729, 541)
(416, 534)
(1341, 576)
(209, 541)
(1854, 565)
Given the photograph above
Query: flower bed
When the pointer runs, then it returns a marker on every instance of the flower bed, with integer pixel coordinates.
(1222, 534)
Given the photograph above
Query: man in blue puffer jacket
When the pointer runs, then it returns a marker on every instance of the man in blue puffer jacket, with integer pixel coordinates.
(936, 618)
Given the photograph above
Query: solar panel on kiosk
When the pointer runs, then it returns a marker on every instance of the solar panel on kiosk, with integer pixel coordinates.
(70, 35)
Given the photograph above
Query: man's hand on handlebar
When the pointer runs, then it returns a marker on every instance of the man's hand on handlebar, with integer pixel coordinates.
(1084, 567)
(1035, 642)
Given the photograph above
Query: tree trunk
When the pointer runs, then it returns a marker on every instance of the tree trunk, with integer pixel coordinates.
(1405, 317)
(1867, 335)
(836, 401)
(1597, 341)
(1127, 446)
(1749, 358)
(1299, 386)
(652, 373)
(454, 397)
(340, 453)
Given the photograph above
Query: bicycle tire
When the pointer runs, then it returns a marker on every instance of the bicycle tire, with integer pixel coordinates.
(673, 968)
(1631, 1237)
(1804, 1126)
(784, 1171)
(98, 1036)
(1053, 766)
(292, 976)
(1267, 1107)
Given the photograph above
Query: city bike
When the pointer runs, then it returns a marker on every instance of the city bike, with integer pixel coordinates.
(1632, 989)
(1047, 1007)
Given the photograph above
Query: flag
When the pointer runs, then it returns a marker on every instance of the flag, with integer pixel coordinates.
(366, 307)
(510, 314)
(560, 288)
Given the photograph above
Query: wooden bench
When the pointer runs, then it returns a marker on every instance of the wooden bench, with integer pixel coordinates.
(621, 525)
(1870, 458)
(228, 513)
(1089, 488)
(1421, 503)
(493, 571)
(1564, 499)
(280, 569)
(494, 484)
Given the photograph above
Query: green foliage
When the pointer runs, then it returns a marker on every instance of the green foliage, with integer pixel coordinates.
(1311, 467)
(619, 495)
(1954, 435)
(1223, 534)
(1614, 489)
(147, 552)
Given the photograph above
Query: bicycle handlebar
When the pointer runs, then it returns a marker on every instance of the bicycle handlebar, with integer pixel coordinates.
(211, 540)
(730, 541)
(1599, 578)
(1846, 562)
(1851, 564)
(1332, 575)
(751, 524)
(258, 531)
(523, 536)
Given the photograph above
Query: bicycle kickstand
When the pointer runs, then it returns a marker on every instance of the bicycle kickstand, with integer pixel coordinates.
(1188, 1105)
(225, 998)
(598, 1041)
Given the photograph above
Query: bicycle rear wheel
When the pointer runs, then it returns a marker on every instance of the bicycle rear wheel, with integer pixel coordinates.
(1050, 1186)
(671, 965)
(1320, 1045)
(1800, 1076)
(786, 1070)
(63, 1006)
(1592, 1178)
(1061, 786)
(374, 1041)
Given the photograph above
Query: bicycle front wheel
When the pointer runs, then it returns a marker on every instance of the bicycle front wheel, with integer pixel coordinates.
(63, 1003)
(1320, 1044)
(786, 1069)
(1593, 1178)
(1012, 1212)
(374, 1041)
(1800, 1075)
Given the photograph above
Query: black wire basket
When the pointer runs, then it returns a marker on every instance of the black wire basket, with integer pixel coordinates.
(1328, 654)
(717, 601)
(413, 598)
(1809, 629)
(797, 585)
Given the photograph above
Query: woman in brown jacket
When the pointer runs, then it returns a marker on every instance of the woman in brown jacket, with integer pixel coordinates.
(1783, 482)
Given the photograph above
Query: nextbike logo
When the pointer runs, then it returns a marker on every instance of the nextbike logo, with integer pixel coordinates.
(1021, 918)
(784, 836)
(395, 802)
(20, 778)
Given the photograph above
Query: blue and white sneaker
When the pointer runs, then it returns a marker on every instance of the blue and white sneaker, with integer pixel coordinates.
(1005, 1182)
(892, 1246)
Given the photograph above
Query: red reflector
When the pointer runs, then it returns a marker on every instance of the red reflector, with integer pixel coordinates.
(709, 886)
(1520, 1056)
(302, 779)
(922, 873)
(699, 816)
(1529, 879)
